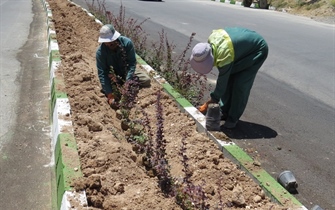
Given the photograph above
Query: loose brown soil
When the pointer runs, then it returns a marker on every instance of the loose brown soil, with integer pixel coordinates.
(114, 175)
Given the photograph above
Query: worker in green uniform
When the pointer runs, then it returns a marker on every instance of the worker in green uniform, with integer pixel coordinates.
(238, 54)
(118, 53)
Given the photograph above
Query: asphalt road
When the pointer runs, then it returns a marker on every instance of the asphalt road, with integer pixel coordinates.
(289, 123)
(25, 155)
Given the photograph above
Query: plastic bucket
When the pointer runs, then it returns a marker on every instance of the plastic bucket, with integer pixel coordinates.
(213, 117)
(288, 181)
(316, 207)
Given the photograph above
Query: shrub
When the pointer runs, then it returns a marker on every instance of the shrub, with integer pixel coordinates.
(332, 2)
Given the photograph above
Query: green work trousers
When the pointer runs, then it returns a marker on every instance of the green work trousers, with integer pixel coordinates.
(251, 50)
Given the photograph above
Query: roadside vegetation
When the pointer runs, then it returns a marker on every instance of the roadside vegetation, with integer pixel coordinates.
(302, 4)
(308, 8)
(175, 69)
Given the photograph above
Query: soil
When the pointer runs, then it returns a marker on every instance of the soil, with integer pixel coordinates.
(114, 176)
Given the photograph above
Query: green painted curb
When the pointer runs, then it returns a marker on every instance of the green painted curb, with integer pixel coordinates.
(54, 56)
(56, 93)
(177, 96)
(266, 181)
(67, 164)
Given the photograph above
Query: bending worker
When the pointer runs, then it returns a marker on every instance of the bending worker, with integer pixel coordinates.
(237, 53)
(116, 52)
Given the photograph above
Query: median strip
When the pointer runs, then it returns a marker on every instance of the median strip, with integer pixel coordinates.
(65, 153)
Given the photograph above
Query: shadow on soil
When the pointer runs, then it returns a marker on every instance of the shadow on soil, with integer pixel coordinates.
(247, 130)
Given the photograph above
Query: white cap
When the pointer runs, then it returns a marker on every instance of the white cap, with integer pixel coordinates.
(108, 34)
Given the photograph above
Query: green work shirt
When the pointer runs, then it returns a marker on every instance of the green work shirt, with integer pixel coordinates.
(223, 52)
(235, 50)
(123, 67)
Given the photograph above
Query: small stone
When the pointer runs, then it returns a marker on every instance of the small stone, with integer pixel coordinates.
(124, 124)
(151, 173)
(202, 166)
(133, 157)
(257, 199)
(118, 114)
(238, 197)
(226, 171)
(95, 126)
(256, 163)
(262, 194)
(209, 190)
(215, 161)
(119, 187)
(230, 187)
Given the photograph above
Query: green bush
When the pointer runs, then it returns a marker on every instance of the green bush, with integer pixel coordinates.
(312, 6)
(332, 2)
(279, 4)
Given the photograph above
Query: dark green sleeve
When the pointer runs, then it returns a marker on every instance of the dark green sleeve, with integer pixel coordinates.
(103, 70)
(221, 82)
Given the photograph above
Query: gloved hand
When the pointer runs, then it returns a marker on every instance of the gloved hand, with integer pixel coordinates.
(203, 108)
(110, 98)
(111, 101)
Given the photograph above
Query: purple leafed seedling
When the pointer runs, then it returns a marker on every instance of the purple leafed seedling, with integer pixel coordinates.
(188, 195)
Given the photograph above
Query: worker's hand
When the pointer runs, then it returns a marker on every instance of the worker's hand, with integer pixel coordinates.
(110, 98)
(203, 108)
(112, 101)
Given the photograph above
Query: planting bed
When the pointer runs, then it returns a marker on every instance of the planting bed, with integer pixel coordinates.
(114, 176)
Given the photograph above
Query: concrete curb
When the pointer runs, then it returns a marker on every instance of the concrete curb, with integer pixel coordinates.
(65, 154)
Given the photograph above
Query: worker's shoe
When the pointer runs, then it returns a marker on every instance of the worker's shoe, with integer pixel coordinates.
(230, 124)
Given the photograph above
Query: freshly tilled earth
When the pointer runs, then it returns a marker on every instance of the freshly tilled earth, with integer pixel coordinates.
(114, 176)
